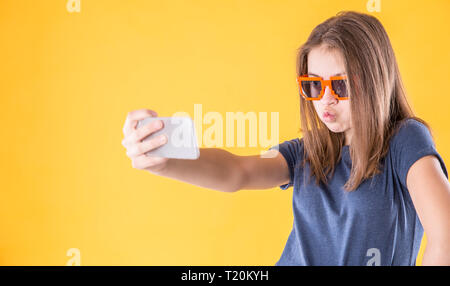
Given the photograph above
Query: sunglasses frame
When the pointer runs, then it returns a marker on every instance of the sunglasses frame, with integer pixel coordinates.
(324, 83)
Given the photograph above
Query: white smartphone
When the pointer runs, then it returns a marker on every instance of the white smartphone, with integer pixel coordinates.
(181, 135)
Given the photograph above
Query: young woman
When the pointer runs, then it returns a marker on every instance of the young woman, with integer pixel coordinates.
(366, 175)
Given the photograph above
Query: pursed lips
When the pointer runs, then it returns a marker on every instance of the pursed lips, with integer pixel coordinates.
(328, 113)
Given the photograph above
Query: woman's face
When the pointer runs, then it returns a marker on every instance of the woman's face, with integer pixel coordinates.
(327, 63)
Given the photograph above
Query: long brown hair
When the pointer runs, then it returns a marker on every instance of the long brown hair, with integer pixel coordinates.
(378, 101)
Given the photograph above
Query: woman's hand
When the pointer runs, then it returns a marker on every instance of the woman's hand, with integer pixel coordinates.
(136, 149)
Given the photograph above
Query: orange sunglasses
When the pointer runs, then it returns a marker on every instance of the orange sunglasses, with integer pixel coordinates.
(313, 88)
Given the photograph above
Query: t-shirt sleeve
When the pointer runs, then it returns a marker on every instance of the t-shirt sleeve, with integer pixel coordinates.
(412, 142)
(291, 151)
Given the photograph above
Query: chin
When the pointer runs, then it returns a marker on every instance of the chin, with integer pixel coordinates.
(334, 127)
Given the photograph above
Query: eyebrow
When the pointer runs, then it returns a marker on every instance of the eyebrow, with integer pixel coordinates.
(338, 74)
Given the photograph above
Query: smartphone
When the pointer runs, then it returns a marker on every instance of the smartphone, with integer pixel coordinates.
(181, 135)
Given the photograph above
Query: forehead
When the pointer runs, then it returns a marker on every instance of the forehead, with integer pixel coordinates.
(325, 62)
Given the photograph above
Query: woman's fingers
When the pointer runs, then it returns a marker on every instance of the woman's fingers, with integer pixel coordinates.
(138, 134)
(133, 136)
(146, 162)
(143, 147)
(133, 117)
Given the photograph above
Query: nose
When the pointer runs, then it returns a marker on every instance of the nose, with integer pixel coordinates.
(327, 97)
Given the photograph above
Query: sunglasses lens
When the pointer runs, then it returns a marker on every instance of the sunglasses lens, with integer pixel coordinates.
(339, 87)
(311, 89)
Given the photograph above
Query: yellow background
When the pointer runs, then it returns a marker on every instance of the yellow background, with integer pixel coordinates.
(68, 80)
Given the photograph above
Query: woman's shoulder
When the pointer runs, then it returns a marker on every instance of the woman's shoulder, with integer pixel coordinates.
(296, 145)
(412, 141)
(297, 141)
(412, 124)
(411, 132)
(291, 149)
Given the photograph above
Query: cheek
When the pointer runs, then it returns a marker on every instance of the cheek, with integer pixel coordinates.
(346, 113)
(316, 106)
(346, 109)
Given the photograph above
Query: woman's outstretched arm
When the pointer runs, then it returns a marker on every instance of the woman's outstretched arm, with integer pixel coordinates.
(215, 168)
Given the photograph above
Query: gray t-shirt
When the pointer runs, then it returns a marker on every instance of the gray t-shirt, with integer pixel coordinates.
(376, 224)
